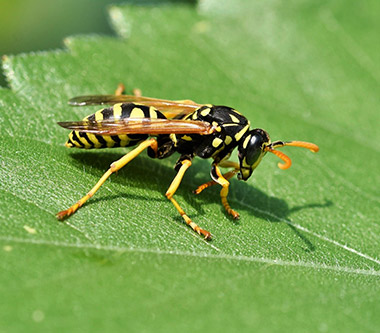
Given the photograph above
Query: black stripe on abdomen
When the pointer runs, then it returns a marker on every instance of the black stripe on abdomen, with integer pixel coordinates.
(76, 140)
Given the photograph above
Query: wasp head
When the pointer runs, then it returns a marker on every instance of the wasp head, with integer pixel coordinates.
(251, 149)
(256, 143)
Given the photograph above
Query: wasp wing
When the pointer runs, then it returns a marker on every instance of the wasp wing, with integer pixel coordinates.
(170, 108)
(113, 99)
(140, 126)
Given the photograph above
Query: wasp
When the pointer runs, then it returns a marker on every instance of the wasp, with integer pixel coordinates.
(163, 127)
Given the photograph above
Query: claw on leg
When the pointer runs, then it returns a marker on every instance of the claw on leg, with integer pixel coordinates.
(206, 234)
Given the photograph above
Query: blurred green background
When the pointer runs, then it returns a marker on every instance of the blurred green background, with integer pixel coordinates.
(38, 25)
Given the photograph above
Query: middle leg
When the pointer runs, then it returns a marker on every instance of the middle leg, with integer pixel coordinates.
(170, 193)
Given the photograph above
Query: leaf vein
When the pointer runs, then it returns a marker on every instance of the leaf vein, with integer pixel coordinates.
(341, 269)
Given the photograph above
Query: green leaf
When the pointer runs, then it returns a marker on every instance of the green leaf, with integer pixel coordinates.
(304, 255)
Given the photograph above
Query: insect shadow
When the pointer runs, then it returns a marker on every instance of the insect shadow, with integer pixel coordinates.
(144, 172)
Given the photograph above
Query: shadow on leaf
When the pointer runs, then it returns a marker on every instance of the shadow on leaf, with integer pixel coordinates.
(155, 175)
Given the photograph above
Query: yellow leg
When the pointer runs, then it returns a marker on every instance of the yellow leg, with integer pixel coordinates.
(115, 166)
(170, 192)
(224, 192)
(221, 180)
(228, 175)
(137, 92)
(121, 89)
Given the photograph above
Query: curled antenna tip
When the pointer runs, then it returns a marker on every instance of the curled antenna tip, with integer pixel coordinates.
(283, 166)
(287, 161)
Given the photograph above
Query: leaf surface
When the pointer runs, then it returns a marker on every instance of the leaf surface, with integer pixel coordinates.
(304, 255)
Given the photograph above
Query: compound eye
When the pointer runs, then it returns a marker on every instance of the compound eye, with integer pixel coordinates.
(254, 149)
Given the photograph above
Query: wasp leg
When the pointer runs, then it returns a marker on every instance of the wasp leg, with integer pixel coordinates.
(120, 90)
(218, 177)
(115, 166)
(170, 192)
(227, 175)
(137, 92)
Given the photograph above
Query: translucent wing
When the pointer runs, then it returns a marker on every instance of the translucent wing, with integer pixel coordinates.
(140, 126)
(170, 108)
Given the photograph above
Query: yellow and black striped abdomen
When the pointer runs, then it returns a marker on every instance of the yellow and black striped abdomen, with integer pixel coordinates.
(118, 111)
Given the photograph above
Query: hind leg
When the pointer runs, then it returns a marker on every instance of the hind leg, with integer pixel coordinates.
(115, 166)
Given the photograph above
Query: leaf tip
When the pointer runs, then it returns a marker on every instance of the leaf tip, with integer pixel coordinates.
(121, 26)
(68, 41)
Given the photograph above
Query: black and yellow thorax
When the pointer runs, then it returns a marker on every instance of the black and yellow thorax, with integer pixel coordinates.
(230, 125)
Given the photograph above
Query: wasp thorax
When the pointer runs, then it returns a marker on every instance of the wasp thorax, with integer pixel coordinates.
(251, 151)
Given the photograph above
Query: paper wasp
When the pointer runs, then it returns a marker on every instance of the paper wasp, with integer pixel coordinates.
(164, 127)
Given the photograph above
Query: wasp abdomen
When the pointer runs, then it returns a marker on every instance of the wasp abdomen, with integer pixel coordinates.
(86, 140)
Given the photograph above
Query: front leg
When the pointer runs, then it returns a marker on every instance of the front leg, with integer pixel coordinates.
(220, 179)
(227, 175)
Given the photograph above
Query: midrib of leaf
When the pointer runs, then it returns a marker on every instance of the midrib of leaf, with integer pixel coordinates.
(121, 249)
